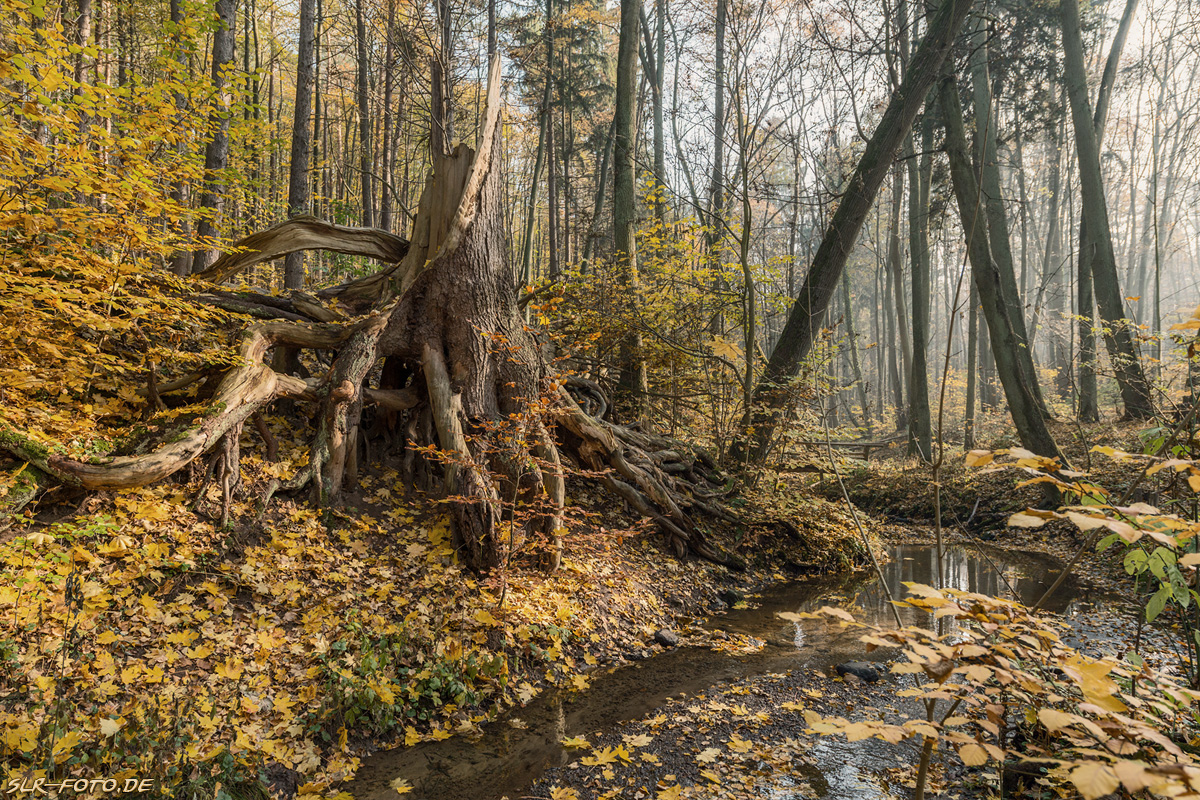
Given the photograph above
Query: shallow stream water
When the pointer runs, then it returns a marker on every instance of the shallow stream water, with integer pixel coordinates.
(508, 759)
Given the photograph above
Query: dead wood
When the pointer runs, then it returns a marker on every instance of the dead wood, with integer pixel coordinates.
(304, 233)
(463, 370)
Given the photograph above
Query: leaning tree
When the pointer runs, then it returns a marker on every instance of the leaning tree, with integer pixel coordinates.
(436, 339)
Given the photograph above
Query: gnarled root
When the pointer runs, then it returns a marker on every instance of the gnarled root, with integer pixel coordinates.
(634, 470)
(463, 374)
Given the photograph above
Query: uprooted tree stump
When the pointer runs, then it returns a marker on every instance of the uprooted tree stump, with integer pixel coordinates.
(458, 362)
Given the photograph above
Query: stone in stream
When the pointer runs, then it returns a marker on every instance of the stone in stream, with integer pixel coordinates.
(731, 596)
(666, 638)
(862, 670)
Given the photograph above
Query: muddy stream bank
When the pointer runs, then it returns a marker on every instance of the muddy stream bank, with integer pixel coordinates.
(508, 758)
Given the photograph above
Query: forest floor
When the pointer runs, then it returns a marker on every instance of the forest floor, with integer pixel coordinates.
(144, 640)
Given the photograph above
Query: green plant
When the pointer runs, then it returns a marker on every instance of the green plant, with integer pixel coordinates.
(1002, 685)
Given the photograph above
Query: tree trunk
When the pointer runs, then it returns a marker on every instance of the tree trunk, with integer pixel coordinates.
(920, 176)
(445, 95)
(1097, 247)
(903, 343)
(808, 311)
(589, 245)
(388, 160)
(993, 204)
(216, 153)
(716, 196)
(366, 152)
(531, 203)
(852, 343)
(633, 380)
(552, 237)
(181, 261)
(298, 178)
(1054, 269)
(972, 368)
(1003, 330)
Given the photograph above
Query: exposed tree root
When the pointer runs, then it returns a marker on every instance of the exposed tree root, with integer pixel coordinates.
(461, 372)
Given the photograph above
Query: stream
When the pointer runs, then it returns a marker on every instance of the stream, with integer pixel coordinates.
(506, 760)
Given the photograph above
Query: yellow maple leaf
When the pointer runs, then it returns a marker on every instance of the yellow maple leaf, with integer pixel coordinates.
(401, 786)
(230, 669)
(66, 743)
(739, 745)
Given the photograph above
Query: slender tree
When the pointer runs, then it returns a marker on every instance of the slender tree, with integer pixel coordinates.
(216, 152)
(633, 382)
(298, 178)
(367, 153)
(1097, 247)
(1004, 333)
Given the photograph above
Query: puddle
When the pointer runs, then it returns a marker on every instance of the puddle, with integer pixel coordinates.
(507, 760)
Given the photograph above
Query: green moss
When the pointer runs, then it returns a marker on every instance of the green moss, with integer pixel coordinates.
(23, 445)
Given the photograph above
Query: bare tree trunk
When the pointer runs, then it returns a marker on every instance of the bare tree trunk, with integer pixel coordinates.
(531, 204)
(1007, 344)
(181, 262)
(972, 368)
(445, 114)
(852, 343)
(1054, 268)
(920, 176)
(633, 379)
(895, 265)
(658, 81)
(993, 201)
(716, 196)
(298, 178)
(319, 188)
(366, 152)
(388, 156)
(216, 154)
(83, 36)
(551, 184)
(589, 244)
(808, 312)
(1135, 390)
(491, 28)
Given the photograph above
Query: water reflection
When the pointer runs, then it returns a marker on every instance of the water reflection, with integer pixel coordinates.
(506, 760)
